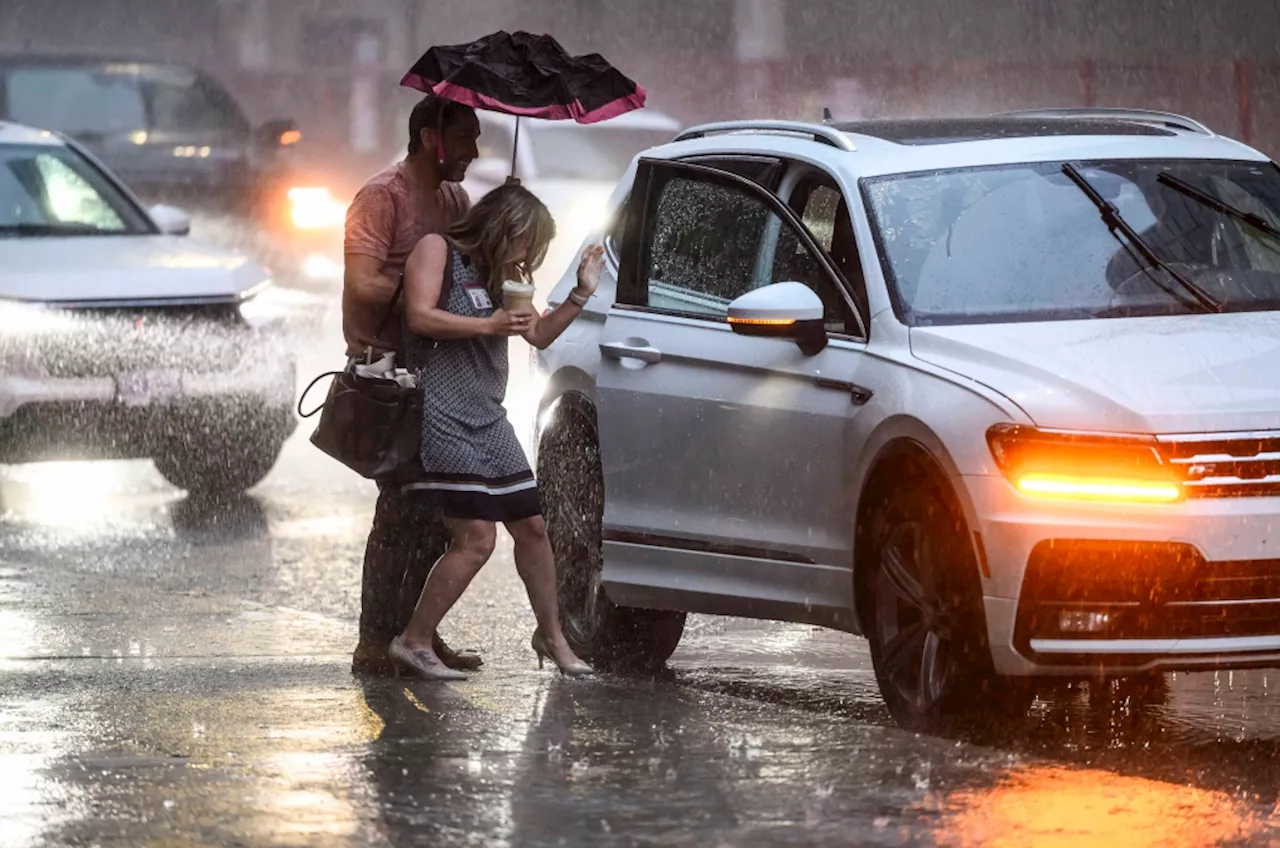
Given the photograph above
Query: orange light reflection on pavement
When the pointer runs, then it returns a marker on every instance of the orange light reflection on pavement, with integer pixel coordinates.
(1048, 807)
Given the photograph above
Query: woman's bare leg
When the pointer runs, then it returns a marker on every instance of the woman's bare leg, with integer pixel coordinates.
(537, 567)
(470, 547)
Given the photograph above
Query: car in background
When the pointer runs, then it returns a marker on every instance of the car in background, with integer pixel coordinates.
(171, 132)
(121, 338)
(997, 393)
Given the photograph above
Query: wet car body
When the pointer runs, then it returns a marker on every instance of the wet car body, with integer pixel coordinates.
(122, 338)
(954, 420)
(171, 132)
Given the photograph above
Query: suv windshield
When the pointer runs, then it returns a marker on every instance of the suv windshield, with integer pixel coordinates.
(53, 191)
(1024, 243)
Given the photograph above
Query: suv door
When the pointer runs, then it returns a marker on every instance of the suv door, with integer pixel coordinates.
(723, 455)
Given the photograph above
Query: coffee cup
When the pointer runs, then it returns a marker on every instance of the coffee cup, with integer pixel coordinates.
(517, 296)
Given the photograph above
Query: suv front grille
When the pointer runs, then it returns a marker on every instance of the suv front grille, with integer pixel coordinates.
(1225, 465)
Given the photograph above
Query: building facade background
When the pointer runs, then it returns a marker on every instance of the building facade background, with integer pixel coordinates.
(334, 65)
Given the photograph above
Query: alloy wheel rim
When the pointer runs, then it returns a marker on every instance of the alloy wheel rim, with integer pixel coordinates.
(913, 625)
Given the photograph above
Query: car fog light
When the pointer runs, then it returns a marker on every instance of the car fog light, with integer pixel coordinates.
(1083, 621)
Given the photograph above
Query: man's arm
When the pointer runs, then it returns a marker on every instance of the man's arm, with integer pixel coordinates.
(365, 282)
(371, 224)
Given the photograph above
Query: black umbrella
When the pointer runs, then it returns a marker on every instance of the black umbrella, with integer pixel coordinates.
(527, 76)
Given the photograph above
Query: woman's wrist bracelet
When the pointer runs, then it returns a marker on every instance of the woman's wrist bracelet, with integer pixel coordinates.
(578, 299)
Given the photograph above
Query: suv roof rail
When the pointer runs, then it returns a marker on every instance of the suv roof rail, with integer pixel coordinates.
(818, 132)
(1141, 116)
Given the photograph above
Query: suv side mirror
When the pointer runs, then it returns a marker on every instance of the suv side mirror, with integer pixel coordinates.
(281, 132)
(171, 220)
(782, 310)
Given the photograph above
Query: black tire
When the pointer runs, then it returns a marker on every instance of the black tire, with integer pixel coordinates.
(218, 470)
(571, 481)
(923, 614)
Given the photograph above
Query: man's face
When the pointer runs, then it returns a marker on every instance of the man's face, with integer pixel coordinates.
(459, 142)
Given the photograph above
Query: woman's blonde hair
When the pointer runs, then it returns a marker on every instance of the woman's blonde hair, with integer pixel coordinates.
(504, 217)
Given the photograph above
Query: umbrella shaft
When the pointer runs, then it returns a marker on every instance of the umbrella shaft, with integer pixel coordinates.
(515, 145)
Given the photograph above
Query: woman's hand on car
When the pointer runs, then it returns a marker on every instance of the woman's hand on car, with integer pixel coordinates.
(589, 270)
(504, 323)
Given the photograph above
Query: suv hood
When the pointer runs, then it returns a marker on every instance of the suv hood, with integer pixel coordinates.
(1176, 374)
(89, 268)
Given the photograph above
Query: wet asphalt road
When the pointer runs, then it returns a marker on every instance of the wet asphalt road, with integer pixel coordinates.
(176, 675)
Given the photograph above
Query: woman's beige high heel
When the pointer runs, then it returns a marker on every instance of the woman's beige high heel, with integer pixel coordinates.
(574, 669)
(420, 663)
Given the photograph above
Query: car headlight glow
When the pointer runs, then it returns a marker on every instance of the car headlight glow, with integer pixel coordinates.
(315, 208)
(1079, 466)
(262, 306)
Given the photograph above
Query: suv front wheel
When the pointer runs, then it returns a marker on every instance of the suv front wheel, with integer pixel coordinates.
(571, 481)
(923, 613)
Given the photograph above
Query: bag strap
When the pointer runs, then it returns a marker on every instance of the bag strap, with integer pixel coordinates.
(307, 390)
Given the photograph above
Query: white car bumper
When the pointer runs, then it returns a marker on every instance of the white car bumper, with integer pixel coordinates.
(1080, 588)
(43, 416)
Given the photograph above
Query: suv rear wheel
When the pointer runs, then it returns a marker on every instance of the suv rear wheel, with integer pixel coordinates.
(571, 481)
(923, 613)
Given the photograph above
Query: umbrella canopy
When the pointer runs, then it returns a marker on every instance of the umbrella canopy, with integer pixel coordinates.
(528, 76)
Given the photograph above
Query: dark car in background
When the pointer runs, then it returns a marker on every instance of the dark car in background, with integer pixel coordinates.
(172, 132)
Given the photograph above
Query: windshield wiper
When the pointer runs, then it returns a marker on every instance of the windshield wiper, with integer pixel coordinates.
(1253, 220)
(1115, 221)
(51, 229)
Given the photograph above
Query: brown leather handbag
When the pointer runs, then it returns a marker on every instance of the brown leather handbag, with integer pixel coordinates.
(373, 425)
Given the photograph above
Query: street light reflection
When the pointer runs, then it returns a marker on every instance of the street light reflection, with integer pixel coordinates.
(1050, 806)
(68, 494)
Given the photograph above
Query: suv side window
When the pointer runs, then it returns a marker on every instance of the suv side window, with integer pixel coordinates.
(818, 202)
(819, 213)
(711, 243)
(765, 171)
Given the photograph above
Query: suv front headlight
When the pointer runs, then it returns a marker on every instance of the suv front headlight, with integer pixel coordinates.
(1083, 466)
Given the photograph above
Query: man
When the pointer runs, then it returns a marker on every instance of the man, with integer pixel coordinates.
(388, 216)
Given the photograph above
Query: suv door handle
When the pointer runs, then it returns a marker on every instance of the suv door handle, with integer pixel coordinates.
(858, 394)
(623, 350)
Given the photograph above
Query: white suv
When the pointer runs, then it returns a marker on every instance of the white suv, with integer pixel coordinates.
(998, 393)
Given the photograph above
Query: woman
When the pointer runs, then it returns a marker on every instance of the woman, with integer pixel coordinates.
(471, 457)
